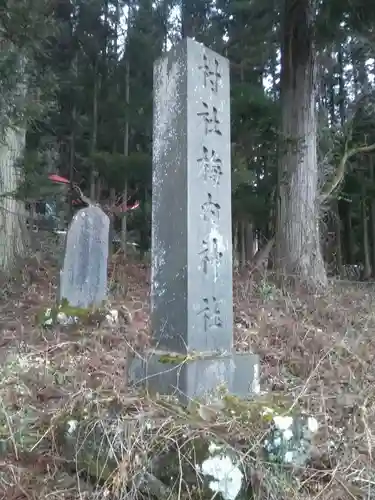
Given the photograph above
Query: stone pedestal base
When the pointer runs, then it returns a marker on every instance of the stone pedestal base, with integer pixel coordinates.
(197, 377)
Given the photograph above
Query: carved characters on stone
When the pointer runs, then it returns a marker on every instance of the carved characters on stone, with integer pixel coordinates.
(211, 73)
(210, 169)
(210, 210)
(210, 118)
(210, 256)
(210, 166)
(211, 313)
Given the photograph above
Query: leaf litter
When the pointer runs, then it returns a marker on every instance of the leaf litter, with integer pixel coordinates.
(318, 352)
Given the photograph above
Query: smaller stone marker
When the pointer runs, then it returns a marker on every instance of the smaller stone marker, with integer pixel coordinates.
(191, 290)
(83, 281)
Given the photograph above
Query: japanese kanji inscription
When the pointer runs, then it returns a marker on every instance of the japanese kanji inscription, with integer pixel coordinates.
(211, 74)
(210, 118)
(210, 166)
(210, 210)
(211, 313)
(211, 256)
(191, 277)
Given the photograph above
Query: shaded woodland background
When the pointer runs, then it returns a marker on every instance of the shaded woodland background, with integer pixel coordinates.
(76, 95)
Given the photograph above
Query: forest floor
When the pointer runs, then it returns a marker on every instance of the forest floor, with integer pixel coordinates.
(317, 352)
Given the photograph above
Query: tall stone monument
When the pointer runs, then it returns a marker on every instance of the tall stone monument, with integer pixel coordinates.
(191, 295)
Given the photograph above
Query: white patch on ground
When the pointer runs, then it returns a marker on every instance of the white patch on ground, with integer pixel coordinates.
(312, 424)
(48, 317)
(277, 441)
(267, 411)
(289, 457)
(112, 317)
(287, 434)
(283, 423)
(64, 319)
(213, 447)
(227, 477)
(72, 426)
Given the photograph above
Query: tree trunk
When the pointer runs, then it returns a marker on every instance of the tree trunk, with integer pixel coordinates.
(187, 22)
(349, 246)
(372, 177)
(249, 242)
(298, 246)
(342, 93)
(94, 134)
(112, 201)
(112, 191)
(98, 186)
(72, 148)
(235, 243)
(126, 154)
(338, 251)
(12, 230)
(243, 244)
(366, 242)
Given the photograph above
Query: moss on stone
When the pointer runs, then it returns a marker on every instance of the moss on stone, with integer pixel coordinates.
(253, 411)
(85, 316)
(178, 359)
(172, 359)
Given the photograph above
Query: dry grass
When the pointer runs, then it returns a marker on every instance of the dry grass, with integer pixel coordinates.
(317, 353)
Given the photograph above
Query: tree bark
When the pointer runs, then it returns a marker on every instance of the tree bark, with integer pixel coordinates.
(338, 244)
(249, 242)
(243, 244)
(349, 240)
(298, 246)
(72, 145)
(372, 179)
(13, 233)
(366, 242)
(126, 154)
(94, 133)
(235, 242)
(12, 230)
(342, 93)
(187, 23)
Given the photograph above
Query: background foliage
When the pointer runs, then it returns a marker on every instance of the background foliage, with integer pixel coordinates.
(88, 69)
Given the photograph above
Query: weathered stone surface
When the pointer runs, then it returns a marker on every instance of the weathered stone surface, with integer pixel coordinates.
(202, 377)
(83, 280)
(191, 291)
(191, 231)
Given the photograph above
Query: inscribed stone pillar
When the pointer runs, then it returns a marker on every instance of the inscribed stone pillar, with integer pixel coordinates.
(191, 290)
